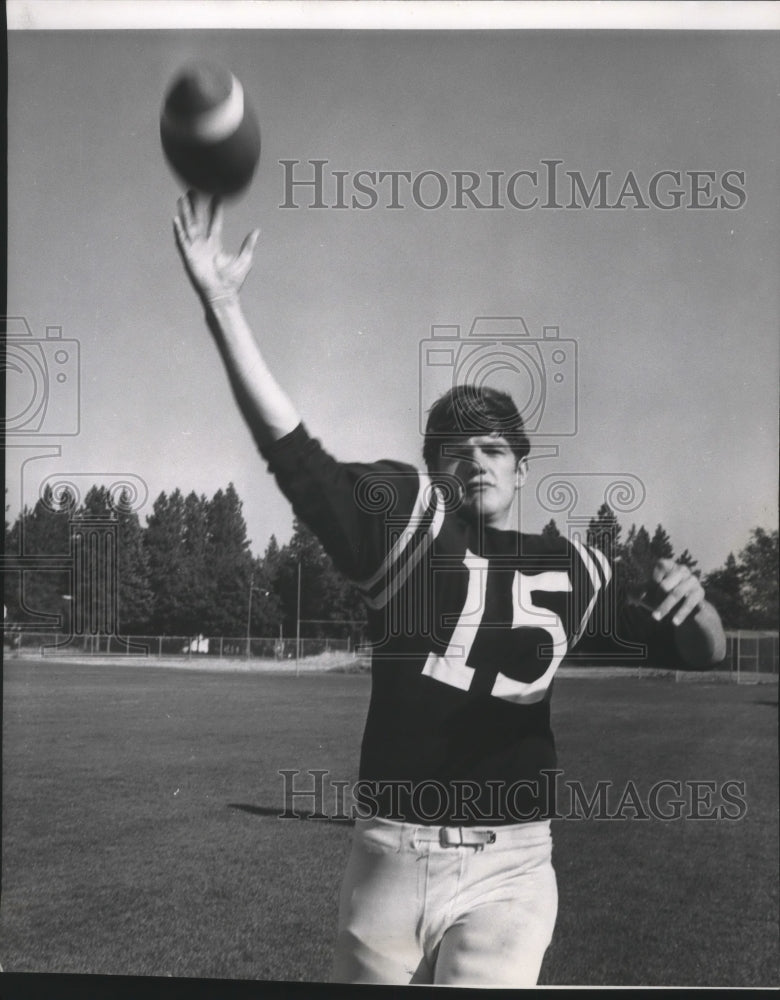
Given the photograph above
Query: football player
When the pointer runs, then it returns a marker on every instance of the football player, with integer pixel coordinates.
(450, 879)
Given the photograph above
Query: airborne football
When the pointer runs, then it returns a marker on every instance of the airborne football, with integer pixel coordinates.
(209, 131)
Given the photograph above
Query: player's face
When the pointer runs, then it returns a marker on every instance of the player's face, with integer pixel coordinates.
(488, 474)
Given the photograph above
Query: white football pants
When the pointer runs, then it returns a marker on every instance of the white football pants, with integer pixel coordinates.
(415, 911)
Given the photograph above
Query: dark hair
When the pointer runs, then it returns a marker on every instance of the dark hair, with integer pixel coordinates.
(467, 410)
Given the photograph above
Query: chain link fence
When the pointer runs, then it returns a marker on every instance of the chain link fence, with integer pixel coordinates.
(749, 653)
(201, 647)
(752, 654)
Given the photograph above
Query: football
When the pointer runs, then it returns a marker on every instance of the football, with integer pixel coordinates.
(209, 131)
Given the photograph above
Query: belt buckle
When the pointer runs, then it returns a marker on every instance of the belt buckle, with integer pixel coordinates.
(459, 836)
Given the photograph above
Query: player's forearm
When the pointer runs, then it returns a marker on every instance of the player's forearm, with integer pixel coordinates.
(266, 407)
(700, 639)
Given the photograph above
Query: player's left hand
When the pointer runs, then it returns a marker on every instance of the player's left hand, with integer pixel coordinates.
(681, 592)
(215, 275)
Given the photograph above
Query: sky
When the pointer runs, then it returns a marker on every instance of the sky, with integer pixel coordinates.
(667, 319)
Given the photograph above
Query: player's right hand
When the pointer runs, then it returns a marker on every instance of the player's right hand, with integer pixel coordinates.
(216, 276)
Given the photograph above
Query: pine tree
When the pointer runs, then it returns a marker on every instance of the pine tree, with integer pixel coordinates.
(636, 563)
(135, 594)
(163, 541)
(197, 584)
(640, 550)
(758, 566)
(724, 591)
(686, 559)
(344, 606)
(270, 558)
(95, 605)
(305, 550)
(11, 578)
(328, 601)
(267, 613)
(229, 564)
(660, 545)
(43, 531)
(604, 531)
(550, 530)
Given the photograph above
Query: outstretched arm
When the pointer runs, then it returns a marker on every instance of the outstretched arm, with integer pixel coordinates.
(698, 634)
(217, 278)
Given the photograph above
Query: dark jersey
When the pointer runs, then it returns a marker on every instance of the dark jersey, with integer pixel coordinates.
(468, 626)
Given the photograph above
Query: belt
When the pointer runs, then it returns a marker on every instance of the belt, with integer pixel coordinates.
(404, 835)
(457, 836)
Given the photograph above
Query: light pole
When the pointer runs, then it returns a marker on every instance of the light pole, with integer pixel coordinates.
(252, 589)
(298, 624)
(249, 614)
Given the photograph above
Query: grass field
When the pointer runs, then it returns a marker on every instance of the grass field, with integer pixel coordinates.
(140, 829)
